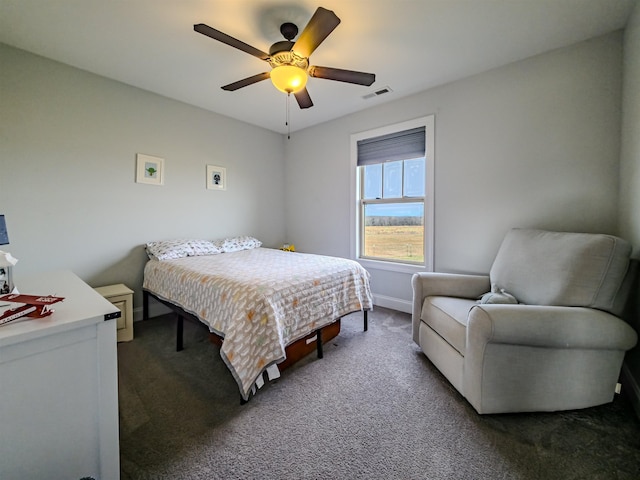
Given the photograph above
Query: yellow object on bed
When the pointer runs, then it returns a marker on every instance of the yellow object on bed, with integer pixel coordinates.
(260, 300)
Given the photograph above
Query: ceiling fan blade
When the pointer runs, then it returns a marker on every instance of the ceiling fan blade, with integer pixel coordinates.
(229, 40)
(322, 23)
(303, 98)
(246, 82)
(348, 76)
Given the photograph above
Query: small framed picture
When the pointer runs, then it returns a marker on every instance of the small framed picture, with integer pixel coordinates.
(149, 169)
(216, 178)
(6, 282)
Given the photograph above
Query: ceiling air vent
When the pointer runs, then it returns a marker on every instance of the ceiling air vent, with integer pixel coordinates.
(377, 93)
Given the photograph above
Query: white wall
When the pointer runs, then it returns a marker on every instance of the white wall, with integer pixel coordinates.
(535, 143)
(630, 152)
(68, 144)
(532, 144)
(630, 178)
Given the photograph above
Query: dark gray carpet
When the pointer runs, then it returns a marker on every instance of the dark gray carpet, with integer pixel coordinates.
(373, 408)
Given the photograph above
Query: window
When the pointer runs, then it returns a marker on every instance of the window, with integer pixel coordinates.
(394, 195)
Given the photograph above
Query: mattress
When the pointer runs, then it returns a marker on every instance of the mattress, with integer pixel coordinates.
(260, 300)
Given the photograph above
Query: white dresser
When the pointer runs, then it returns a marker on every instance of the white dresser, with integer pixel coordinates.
(59, 386)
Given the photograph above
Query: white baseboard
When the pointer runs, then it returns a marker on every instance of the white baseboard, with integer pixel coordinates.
(137, 314)
(632, 389)
(155, 310)
(393, 303)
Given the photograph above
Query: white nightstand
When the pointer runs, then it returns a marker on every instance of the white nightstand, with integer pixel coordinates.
(122, 297)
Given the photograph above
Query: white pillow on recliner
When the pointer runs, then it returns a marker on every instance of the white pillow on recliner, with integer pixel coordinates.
(497, 295)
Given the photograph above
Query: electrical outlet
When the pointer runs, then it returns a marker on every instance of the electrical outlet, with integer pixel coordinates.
(618, 388)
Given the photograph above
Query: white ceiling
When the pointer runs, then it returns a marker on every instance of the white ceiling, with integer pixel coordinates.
(410, 45)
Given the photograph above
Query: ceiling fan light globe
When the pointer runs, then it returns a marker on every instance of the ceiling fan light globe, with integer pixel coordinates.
(289, 78)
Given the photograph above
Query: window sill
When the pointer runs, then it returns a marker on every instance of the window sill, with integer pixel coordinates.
(391, 266)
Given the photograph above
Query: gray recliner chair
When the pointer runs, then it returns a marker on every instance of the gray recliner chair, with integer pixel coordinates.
(539, 333)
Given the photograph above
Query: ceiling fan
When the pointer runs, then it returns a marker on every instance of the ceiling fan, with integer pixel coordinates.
(289, 60)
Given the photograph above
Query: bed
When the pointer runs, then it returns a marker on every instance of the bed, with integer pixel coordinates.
(257, 300)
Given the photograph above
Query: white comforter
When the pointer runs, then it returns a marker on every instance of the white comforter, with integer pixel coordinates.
(260, 300)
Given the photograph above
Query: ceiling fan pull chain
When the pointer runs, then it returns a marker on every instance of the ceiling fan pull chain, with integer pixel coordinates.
(287, 123)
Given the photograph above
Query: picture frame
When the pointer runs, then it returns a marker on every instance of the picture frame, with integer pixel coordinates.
(6, 280)
(216, 177)
(149, 169)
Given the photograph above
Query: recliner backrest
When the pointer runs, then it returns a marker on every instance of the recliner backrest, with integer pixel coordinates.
(540, 267)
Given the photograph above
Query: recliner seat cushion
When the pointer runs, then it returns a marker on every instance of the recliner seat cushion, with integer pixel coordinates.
(448, 317)
(561, 269)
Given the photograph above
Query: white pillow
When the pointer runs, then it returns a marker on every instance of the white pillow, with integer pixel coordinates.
(497, 295)
(236, 244)
(168, 249)
(204, 247)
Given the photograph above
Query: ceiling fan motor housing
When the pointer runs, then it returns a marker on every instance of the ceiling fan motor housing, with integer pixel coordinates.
(283, 46)
(288, 57)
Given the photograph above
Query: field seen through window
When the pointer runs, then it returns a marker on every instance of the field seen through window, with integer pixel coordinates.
(395, 242)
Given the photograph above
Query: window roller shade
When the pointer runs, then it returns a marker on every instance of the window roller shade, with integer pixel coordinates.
(392, 147)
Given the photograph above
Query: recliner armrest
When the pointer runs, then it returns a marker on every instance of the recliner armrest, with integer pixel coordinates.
(547, 326)
(426, 284)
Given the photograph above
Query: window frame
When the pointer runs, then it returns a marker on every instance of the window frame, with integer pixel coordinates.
(357, 224)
